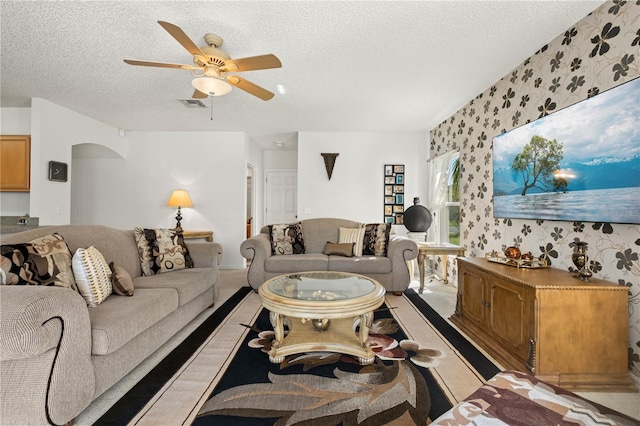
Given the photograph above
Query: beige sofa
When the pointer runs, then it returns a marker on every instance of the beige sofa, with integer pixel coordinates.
(57, 355)
(391, 270)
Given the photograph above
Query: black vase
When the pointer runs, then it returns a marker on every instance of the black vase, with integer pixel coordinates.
(417, 218)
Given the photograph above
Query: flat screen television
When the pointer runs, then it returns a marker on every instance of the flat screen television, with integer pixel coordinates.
(581, 163)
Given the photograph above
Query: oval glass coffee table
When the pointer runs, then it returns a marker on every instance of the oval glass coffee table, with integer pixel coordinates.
(324, 311)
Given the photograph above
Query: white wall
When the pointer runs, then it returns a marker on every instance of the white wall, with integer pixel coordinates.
(356, 188)
(275, 159)
(254, 158)
(14, 121)
(133, 191)
(128, 182)
(54, 130)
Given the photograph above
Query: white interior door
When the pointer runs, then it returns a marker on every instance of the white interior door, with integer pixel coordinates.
(281, 196)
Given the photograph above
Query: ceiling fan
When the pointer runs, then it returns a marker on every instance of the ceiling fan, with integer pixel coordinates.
(212, 66)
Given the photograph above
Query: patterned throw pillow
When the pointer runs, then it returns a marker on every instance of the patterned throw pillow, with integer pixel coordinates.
(93, 275)
(286, 238)
(376, 239)
(161, 250)
(353, 235)
(43, 261)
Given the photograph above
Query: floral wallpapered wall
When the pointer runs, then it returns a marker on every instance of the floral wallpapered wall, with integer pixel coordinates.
(599, 52)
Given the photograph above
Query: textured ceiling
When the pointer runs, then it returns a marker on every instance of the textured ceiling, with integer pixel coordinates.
(347, 65)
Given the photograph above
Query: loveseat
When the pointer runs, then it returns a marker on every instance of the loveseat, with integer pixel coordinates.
(57, 354)
(389, 267)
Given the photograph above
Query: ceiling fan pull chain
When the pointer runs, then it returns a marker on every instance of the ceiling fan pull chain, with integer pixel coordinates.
(211, 98)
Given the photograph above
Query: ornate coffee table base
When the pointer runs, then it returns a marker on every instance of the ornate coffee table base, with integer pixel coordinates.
(299, 300)
(342, 336)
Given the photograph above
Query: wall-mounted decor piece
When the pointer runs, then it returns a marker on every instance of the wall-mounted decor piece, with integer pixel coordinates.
(394, 193)
(555, 169)
(57, 171)
(329, 162)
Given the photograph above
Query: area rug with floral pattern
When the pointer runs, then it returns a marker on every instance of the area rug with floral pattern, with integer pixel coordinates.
(420, 371)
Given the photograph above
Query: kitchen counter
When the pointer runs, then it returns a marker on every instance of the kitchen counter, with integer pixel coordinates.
(12, 224)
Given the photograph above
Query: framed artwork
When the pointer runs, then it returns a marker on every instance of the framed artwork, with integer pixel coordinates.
(394, 194)
(57, 171)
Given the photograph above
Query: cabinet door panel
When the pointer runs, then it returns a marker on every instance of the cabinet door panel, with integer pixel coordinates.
(15, 157)
(473, 296)
(509, 315)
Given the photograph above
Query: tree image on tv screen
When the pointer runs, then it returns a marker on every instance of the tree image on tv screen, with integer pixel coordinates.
(537, 162)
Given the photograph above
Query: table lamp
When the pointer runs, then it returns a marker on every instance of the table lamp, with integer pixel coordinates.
(179, 198)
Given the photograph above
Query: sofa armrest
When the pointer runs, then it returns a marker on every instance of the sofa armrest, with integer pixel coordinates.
(258, 250)
(45, 336)
(205, 254)
(401, 248)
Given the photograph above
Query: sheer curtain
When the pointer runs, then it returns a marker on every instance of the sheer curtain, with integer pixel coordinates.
(438, 178)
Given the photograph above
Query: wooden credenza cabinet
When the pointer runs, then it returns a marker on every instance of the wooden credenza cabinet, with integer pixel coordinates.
(15, 163)
(546, 323)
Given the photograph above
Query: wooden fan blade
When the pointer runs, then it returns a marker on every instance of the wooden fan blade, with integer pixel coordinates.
(182, 38)
(199, 95)
(249, 87)
(160, 64)
(261, 62)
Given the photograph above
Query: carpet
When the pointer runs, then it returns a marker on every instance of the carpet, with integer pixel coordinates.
(423, 367)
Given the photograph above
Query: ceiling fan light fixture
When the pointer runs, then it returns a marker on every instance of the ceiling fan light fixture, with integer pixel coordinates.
(211, 86)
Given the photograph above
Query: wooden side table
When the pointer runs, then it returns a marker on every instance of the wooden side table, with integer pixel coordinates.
(207, 235)
(444, 249)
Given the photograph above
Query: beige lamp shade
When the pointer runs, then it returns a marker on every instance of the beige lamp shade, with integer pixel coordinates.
(211, 86)
(179, 198)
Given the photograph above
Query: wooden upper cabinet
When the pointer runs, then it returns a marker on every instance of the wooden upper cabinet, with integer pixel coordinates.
(15, 163)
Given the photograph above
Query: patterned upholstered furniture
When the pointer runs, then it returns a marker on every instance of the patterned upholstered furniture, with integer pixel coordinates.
(514, 398)
(57, 355)
(389, 267)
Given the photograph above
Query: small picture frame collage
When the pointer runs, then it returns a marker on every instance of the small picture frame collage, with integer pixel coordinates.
(394, 194)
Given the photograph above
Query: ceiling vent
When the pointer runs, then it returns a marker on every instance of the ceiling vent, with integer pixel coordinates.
(192, 103)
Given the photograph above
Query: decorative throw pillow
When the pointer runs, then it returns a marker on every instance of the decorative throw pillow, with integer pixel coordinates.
(162, 250)
(286, 238)
(93, 275)
(43, 261)
(344, 249)
(376, 239)
(353, 235)
(121, 280)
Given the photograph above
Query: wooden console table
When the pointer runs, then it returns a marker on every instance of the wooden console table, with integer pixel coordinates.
(443, 249)
(544, 322)
(207, 235)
